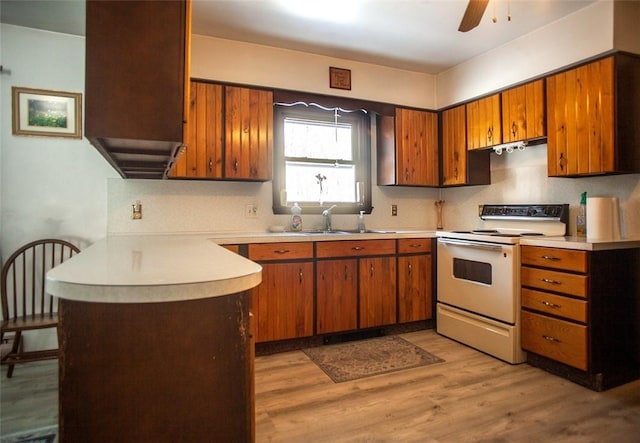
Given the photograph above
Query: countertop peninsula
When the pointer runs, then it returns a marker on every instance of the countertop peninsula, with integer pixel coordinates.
(152, 268)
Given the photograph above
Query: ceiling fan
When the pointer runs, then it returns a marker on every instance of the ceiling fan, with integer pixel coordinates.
(473, 14)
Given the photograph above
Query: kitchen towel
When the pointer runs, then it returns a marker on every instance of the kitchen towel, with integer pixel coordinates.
(603, 218)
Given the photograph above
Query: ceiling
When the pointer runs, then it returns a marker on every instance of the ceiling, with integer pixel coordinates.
(417, 35)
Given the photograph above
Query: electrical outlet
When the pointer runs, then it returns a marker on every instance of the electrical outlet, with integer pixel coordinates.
(394, 210)
(136, 210)
(251, 211)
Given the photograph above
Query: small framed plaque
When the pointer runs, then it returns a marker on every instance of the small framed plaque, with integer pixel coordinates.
(339, 78)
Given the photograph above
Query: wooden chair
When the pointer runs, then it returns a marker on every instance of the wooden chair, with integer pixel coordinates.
(25, 304)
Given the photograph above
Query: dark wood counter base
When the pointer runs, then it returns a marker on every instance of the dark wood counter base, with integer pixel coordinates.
(160, 372)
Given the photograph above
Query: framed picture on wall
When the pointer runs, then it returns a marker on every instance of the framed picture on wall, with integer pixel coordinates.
(46, 113)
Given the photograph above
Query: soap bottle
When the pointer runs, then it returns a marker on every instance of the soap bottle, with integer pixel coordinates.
(581, 219)
(296, 217)
(361, 227)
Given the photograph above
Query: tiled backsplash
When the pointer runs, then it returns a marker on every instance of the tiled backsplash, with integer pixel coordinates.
(205, 206)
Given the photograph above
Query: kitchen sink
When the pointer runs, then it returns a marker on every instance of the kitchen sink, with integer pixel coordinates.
(344, 232)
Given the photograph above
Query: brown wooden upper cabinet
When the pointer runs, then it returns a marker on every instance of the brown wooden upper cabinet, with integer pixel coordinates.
(460, 166)
(229, 134)
(204, 132)
(592, 118)
(484, 128)
(136, 81)
(523, 112)
(408, 148)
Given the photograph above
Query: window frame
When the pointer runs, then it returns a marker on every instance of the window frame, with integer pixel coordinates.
(361, 131)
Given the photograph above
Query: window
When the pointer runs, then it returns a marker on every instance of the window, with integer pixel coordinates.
(321, 158)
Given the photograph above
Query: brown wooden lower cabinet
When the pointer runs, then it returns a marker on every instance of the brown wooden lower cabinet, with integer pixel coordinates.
(581, 315)
(377, 291)
(337, 295)
(331, 287)
(415, 299)
(161, 372)
(283, 303)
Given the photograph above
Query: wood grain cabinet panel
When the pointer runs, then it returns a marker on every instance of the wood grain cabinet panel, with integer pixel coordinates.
(408, 148)
(228, 135)
(249, 133)
(283, 303)
(484, 123)
(204, 132)
(555, 281)
(578, 319)
(557, 339)
(556, 258)
(556, 305)
(459, 165)
(415, 288)
(523, 112)
(590, 109)
(337, 295)
(377, 291)
(454, 146)
(355, 248)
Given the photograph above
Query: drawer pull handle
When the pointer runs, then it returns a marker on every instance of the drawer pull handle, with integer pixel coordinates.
(410, 268)
(281, 251)
(553, 282)
(551, 305)
(300, 279)
(358, 248)
(550, 258)
(415, 245)
(549, 338)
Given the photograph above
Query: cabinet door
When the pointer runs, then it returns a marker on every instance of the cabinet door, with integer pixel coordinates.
(337, 295)
(454, 146)
(377, 291)
(484, 128)
(202, 155)
(283, 302)
(414, 288)
(523, 113)
(580, 120)
(249, 133)
(416, 147)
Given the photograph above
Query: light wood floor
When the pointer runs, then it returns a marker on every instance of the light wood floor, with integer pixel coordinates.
(470, 397)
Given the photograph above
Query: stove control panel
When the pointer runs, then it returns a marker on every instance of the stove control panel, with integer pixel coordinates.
(526, 212)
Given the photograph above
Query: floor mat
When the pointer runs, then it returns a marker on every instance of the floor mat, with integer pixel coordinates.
(365, 358)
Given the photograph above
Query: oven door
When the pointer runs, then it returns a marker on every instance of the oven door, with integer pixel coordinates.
(479, 277)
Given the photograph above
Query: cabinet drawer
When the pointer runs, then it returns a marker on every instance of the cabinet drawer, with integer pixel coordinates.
(569, 308)
(555, 281)
(565, 259)
(280, 251)
(355, 248)
(414, 245)
(556, 339)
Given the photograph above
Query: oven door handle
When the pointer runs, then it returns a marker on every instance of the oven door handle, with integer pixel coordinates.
(470, 244)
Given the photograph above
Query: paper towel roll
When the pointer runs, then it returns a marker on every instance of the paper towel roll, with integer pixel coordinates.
(603, 218)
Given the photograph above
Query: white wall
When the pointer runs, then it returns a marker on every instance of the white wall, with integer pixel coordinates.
(576, 37)
(50, 186)
(238, 62)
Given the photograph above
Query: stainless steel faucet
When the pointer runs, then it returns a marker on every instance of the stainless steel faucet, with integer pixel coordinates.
(326, 214)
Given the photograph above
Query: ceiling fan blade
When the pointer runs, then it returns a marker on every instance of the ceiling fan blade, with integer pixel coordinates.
(473, 14)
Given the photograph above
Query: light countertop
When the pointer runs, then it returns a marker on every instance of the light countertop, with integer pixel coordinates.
(582, 243)
(305, 236)
(152, 268)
